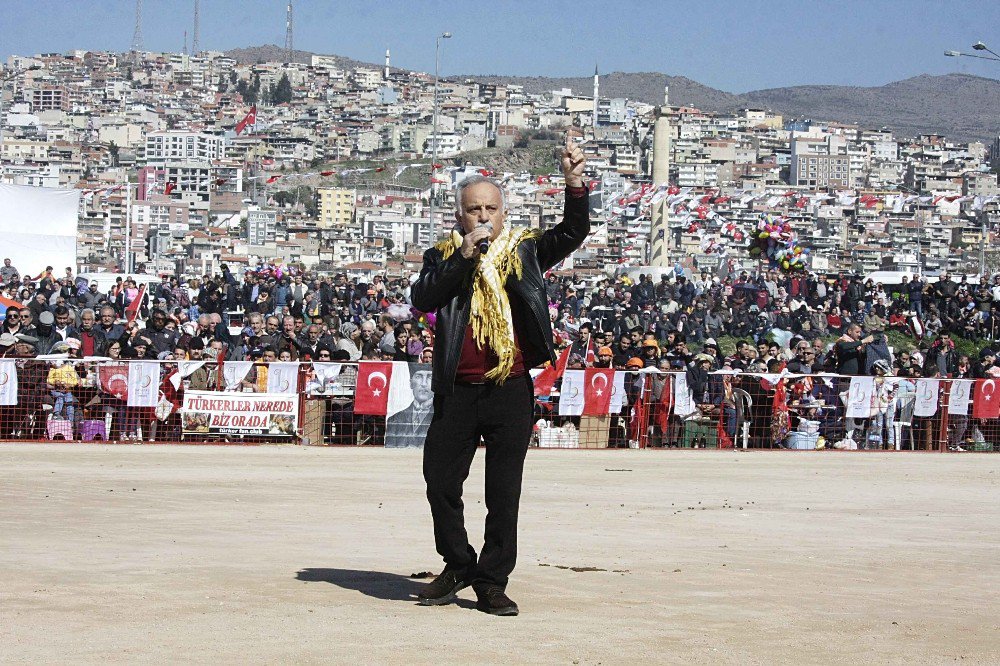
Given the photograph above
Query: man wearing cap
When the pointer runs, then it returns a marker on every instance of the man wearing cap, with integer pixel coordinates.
(605, 357)
(492, 327)
(650, 353)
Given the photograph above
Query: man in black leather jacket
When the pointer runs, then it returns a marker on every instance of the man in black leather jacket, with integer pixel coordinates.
(492, 328)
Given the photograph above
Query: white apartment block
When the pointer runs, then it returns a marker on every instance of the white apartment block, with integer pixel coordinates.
(180, 146)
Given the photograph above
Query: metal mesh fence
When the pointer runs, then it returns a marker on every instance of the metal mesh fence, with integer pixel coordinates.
(390, 404)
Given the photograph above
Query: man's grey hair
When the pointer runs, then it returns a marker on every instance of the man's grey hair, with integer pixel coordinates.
(475, 179)
(87, 311)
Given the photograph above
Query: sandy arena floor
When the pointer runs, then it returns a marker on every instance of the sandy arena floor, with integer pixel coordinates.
(164, 554)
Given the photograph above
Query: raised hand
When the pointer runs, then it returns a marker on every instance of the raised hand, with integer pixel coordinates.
(573, 163)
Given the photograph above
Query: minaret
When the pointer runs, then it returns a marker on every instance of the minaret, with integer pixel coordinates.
(385, 74)
(659, 224)
(597, 89)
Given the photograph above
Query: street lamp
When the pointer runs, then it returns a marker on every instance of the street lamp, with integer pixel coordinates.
(978, 46)
(434, 126)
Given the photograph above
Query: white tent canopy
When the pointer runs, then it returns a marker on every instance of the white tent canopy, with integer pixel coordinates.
(38, 227)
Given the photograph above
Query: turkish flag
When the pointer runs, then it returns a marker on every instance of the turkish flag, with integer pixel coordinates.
(548, 376)
(249, 119)
(661, 413)
(132, 311)
(113, 379)
(371, 395)
(170, 187)
(597, 384)
(272, 179)
(638, 427)
(327, 173)
(986, 404)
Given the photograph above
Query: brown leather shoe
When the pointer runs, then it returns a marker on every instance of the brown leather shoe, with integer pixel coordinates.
(442, 589)
(493, 600)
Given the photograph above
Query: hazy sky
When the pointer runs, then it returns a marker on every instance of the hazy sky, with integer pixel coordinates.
(736, 45)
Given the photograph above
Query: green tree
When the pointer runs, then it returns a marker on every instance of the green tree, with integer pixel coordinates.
(282, 91)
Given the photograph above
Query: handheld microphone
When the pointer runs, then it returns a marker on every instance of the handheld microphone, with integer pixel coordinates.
(484, 244)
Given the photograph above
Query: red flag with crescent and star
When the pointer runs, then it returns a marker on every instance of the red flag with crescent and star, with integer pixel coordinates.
(986, 403)
(249, 119)
(113, 379)
(597, 385)
(547, 378)
(132, 311)
(371, 395)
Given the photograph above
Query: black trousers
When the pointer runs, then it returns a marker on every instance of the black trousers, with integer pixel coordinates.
(502, 416)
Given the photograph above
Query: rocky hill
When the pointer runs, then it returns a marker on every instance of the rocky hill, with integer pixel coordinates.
(956, 105)
(959, 106)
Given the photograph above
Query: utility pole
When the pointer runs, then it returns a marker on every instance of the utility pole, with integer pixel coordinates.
(137, 33)
(434, 132)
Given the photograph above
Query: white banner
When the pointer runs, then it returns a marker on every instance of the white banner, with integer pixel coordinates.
(234, 372)
(143, 383)
(618, 396)
(8, 382)
(325, 379)
(208, 413)
(185, 368)
(400, 392)
(927, 398)
(960, 396)
(860, 397)
(571, 393)
(684, 404)
(282, 378)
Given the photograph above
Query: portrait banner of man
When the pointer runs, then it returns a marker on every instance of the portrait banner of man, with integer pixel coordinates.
(408, 427)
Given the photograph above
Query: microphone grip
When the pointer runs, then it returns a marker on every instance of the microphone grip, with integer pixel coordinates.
(484, 244)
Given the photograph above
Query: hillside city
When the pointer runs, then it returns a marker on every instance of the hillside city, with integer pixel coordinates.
(333, 168)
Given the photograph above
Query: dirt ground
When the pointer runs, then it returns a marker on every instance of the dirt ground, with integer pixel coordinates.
(290, 554)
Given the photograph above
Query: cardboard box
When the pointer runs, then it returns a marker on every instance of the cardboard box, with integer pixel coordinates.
(594, 431)
(312, 422)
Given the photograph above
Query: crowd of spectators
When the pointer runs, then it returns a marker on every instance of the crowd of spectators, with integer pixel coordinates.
(770, 321)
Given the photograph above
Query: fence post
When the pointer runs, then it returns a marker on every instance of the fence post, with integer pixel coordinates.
(944, 399)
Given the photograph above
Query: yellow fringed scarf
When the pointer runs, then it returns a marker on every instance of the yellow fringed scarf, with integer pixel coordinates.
(492, 323)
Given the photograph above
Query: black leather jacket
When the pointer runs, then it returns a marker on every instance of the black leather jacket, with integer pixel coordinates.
(445, 285)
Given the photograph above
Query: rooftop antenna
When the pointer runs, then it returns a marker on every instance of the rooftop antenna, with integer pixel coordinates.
(196, 36)
(185, 43)
(137, 34)
(288, 32)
